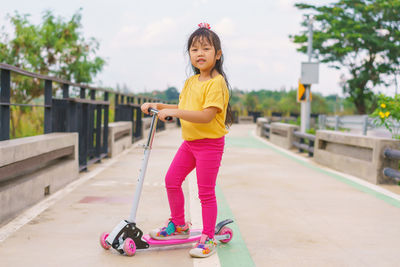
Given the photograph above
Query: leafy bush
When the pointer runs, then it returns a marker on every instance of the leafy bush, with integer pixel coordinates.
(388, 114)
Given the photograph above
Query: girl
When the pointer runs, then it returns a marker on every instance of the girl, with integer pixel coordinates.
(205, 114)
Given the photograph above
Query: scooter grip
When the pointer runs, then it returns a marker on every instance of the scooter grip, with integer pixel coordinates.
(152, 110)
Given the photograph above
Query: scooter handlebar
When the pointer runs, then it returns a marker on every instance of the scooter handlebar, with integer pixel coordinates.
(155, 111)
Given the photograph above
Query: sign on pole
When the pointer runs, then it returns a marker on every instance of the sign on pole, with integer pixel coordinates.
(309, 72)
(301, 92)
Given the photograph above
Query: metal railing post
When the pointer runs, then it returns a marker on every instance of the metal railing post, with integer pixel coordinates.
(337, 122)
(138, 132)
(48, 98)
(116, 107)
(65, 89)
(105, 125)
(4, 106)
(83, 93)
(98, 130)
(91, 122)
(322, 122)
(365, 125)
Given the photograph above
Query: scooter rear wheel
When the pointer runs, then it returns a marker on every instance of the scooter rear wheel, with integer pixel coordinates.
(103, 242)
(226, 231)
(129, 247)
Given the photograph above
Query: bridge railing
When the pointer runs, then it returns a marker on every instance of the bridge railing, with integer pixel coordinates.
(87, 114)
(371, 158)
(305, 143)
(361, 123)
(387, 171)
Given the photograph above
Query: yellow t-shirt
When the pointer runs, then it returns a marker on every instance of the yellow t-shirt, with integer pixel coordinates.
(198, 95)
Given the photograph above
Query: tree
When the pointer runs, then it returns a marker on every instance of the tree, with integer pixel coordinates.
(319, 104)
(270, 104)
(251, 102)
(361, 36)
(55, 47)
(288, 103)
(172, 93)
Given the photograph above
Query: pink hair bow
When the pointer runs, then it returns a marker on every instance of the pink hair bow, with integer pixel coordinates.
(204, 25)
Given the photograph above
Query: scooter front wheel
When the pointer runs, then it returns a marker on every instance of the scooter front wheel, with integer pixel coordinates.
(129, 247)
(103, 242)
(226, 231)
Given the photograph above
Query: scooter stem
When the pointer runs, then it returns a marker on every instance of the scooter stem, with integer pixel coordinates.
(147, 149)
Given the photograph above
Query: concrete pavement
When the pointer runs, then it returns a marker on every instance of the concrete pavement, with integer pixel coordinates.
(287, 211)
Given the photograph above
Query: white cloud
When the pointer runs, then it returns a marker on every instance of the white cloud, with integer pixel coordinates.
(286, 3)
(153, 34)
(225, 27)
(198, 3)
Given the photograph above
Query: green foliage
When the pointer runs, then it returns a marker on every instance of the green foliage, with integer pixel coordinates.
(171, 94)
(251, 101)
(388, 114)
(361, 36)
(311, 131)
(30, 121)
(319, 104)
(284, 102)
(339, 106)
(55, 47)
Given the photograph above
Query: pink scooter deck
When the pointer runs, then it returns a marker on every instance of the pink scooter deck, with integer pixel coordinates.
(195, 235)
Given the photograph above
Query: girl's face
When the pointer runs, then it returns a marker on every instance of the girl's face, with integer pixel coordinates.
(203, 56)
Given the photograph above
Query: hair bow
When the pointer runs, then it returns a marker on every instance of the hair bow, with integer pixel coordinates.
(204, 25)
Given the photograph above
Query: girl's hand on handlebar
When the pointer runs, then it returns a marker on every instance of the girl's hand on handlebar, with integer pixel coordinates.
(164, 113)
(145, 107)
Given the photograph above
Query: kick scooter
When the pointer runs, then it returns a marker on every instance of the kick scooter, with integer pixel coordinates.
(126, 237)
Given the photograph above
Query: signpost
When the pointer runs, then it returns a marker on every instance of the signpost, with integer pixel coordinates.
(309, 75)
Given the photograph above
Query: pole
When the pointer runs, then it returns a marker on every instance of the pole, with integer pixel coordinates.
(306, 105)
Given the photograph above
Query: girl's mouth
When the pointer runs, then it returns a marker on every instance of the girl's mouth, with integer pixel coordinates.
(200, 61)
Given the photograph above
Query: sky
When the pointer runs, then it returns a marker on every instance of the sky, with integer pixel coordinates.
(143, 42)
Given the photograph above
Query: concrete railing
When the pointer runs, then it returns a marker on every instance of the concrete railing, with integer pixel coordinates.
(305, 142)
(389, 172)
(282, 134)
(371, 158)
(33, 167)
(119, 137)
(246, 119)
(361, 156)
(262, 127)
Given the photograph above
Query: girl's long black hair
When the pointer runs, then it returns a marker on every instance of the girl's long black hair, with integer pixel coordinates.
(212, 38)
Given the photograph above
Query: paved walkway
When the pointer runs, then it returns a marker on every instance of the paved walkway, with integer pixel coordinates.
(287, 210)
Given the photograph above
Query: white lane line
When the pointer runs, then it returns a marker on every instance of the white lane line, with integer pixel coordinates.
(347, 176)
(195, 215)
(28, 215)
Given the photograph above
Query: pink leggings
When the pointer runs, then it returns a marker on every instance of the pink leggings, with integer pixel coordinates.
(204, 155)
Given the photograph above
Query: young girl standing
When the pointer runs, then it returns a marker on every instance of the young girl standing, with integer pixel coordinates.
(204, 112)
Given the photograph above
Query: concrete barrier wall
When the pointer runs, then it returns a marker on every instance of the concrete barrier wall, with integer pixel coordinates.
(281, 134)
(119, 137)
(361, 156)
(246, 119)
(260, 123)
(33, 167)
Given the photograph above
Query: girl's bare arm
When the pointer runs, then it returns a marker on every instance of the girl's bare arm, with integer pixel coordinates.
(201, 116)
(159, 106)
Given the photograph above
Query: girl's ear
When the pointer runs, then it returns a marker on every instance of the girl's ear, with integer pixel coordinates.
(219, 54)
